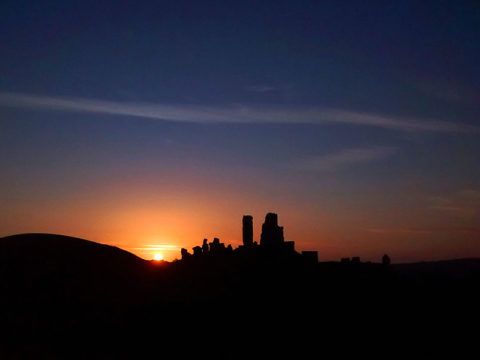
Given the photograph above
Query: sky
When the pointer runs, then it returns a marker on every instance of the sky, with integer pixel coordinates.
(150, 125)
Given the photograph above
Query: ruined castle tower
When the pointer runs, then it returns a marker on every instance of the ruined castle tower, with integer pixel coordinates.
(272, 234)
(247, 230)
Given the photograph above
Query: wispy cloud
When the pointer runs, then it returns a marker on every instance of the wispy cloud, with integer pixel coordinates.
(260, 88)
(231, 114)
(401, 230)
(464, 203)
(160, 248)
(471, 194)
(345, 158)
(416, 230)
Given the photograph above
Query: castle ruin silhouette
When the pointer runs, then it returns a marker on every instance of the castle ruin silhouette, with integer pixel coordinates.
(272, 242)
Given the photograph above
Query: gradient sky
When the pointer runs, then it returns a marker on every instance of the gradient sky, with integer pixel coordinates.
(151, 125)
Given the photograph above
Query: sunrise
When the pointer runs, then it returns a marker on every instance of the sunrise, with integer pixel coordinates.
(172, 172)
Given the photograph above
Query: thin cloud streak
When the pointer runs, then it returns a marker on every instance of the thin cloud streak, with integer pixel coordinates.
(402, 230)
(414, 230)
(161, 246)
(260, 88)
(231, 114)
(464, 203)
(345, 158)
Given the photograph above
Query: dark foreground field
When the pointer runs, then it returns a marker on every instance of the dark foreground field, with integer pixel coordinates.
(67, 298)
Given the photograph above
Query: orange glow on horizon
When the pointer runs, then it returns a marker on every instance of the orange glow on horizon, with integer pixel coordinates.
(146, 221)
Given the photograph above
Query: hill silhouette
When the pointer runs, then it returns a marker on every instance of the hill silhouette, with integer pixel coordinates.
(258, 301)
(50, 265)
(60, 249)
(54, 285)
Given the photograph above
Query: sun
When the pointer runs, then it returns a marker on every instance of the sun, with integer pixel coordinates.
(158, 257)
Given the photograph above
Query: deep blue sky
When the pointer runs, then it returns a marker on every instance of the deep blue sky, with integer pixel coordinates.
(358, 121)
